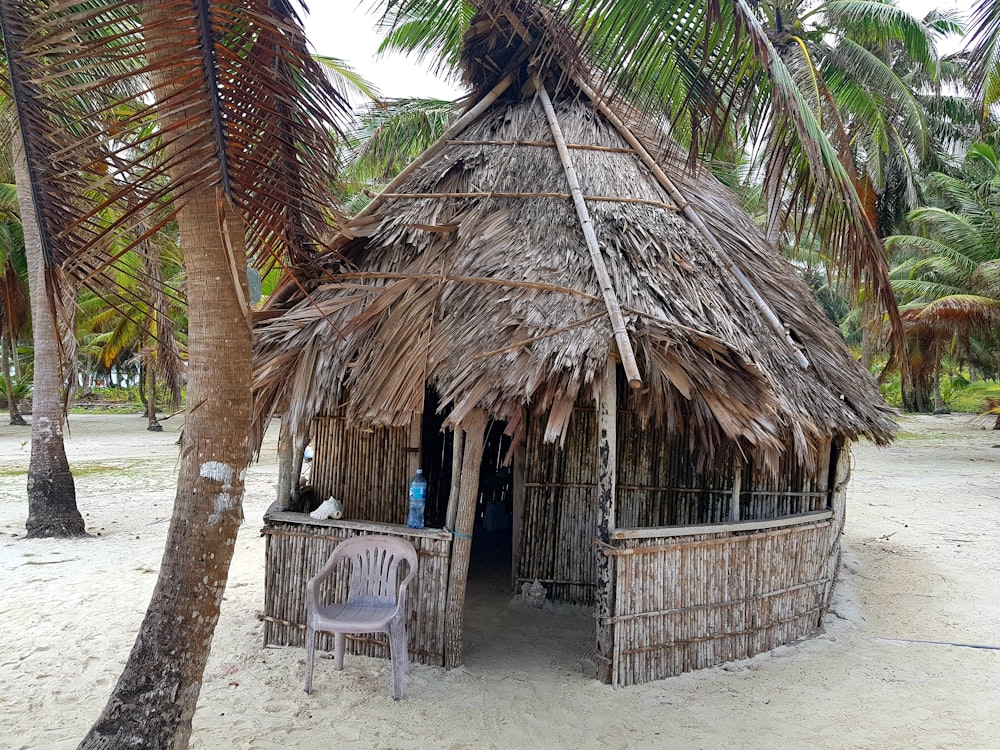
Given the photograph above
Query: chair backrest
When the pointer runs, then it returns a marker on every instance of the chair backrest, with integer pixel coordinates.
(375, 568)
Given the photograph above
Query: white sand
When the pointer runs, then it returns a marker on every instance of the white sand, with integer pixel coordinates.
(922, 563)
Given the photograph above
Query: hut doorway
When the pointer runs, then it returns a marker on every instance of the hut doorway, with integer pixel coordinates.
(491, 556)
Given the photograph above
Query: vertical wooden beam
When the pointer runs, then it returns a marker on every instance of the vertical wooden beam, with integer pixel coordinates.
(840, 457)
(475, 433)
(734, 502)
(517, 476)
(414, 442)
(298, 442)
(286, 455)
(607, 459)
(457, 447)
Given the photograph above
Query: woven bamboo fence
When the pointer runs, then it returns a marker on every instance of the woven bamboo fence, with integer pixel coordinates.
(693, 601)
(658, 485)
(297, 547)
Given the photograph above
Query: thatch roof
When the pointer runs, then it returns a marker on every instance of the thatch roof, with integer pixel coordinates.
(472, 275)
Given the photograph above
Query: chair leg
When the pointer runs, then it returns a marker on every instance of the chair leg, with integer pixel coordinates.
(339, 643)
(399, 657)
(403, 647)
(310, 653)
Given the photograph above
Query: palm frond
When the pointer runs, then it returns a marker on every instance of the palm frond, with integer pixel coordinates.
(391, 133)
(984, 44)
(348, 82)
(431, 30)
(219, 93)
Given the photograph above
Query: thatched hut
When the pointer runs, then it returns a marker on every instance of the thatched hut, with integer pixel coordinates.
(549, 311)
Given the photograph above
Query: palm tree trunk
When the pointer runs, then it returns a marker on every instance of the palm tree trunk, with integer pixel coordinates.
(6, 345)
(52, 510)
(154, 701)
(153, 425)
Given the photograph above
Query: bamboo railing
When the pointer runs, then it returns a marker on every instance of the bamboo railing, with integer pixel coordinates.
(298, 546)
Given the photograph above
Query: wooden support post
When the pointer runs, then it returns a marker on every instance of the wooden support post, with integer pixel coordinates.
(517, 476)
(458, 445)
(840, 457)
(475, 433)
(298, 442)
(286, 466)
(734, 502)
(607, 459)
(413, 446)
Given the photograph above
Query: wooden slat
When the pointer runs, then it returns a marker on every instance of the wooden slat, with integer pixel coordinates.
(719, 528)
(690, 603)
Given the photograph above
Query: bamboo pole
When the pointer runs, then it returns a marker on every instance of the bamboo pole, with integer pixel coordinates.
(694, 217)
(518, 514)
(604, 278)
(511, 194)
(460, 124)
(607, 459)
(286, 456)
(457, 444)
(475, 428)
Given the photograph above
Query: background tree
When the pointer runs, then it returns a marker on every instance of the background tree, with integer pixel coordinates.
(948, 276)
(13, 293)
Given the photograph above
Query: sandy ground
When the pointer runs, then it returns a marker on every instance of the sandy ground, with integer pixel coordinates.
(921, 575)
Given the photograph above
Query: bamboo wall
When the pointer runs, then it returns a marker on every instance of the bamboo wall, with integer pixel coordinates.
(694, 601)
(658, 485)
(368, 470)
(296, 547)
(559, 516)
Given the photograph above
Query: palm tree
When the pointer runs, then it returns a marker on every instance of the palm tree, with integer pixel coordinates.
(239, 117)
(52, 509)
(948, 275)
(13, 292)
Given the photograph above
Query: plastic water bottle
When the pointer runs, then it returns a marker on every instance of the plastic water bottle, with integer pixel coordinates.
(418, 497)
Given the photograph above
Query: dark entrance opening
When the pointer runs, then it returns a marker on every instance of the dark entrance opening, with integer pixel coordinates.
(490, 562)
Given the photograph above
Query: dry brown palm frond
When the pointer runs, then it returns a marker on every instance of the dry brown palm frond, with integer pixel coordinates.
(92, 83)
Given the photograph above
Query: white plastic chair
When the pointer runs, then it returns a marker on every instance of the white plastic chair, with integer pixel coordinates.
(375, 604)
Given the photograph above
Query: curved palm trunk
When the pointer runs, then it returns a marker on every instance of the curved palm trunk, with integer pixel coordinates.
(52, 510)
(152, 424)
(154, 701)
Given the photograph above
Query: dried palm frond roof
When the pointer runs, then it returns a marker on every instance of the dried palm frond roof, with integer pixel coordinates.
(472, 274)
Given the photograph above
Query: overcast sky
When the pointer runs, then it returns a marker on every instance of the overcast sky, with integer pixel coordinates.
(343, 28)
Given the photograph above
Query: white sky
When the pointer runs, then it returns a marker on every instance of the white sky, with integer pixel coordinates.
(344, 29)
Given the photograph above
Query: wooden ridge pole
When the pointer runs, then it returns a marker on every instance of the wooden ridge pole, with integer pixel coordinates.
(460, 124)
(597, 260)
(692, 215)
